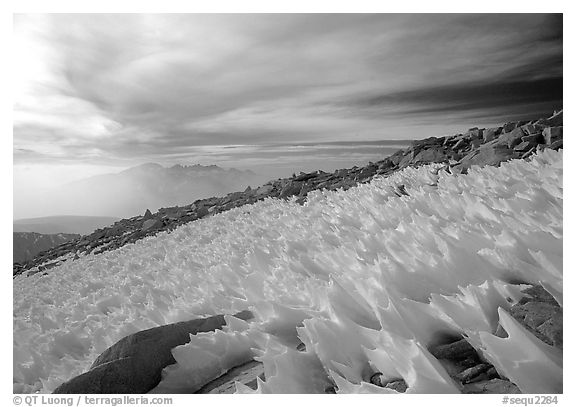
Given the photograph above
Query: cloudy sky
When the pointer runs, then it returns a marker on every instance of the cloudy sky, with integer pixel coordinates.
(271, 92)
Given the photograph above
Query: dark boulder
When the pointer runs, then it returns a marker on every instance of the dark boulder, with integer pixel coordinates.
(551, 134)
(491, 133)
(305, 177)
(458, 350)
(508, 127)
(151, 224)
(540, 314)
(472, 374)
(558, 144)
(523, 146)
(494, 386)
(543, 319)
(533, 139)
(202, 211)
(431, 155)
(292, 188)
(396, 384)
(134, 364)
(491, 153)
(511, 139)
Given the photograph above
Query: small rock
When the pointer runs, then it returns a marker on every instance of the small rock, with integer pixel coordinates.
(147, 215)
(292, 188)
(523, 146)
(202, 211)
(398, 385)
(459, 144)
(476, 142)
(467, 375)
(558, 144)
(533, 129)
(488, 154)
(151, 224)
(433, 154)
(528, 153)
(511, 139)
(475, 132)
(401, 190)
(377, 379)
(306, 177)
(330, 390)
(543, 319)
(490, 134)
(533, 138)
(508, 127)
(493, 386)
(551, 134)
(492, 373)
(539, 294)
(553, 331)
(458, 350)
(500, 332)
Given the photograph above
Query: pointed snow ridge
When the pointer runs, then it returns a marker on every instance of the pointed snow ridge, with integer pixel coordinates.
(531, 364)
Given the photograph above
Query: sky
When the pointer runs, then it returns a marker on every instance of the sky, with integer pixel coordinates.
(275, 93)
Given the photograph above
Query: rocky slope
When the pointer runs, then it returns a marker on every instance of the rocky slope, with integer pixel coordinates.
(486, 146)
(26, 245)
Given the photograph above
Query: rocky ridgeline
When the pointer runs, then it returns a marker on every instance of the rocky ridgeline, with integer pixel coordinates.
(490, 146)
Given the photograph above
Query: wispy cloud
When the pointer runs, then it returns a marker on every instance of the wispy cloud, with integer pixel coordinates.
(107, 89)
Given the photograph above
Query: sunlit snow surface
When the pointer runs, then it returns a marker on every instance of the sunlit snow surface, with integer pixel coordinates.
(366, 279)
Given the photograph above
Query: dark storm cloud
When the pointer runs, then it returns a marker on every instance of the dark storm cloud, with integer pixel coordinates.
(531, 84)
(120, 87)
(478, 98)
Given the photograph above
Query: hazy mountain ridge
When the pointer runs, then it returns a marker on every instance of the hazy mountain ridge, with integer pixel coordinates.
(147, 186)
(81, 225)
(26, 245)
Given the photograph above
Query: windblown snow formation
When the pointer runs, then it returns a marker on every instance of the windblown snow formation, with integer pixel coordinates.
(368, 279)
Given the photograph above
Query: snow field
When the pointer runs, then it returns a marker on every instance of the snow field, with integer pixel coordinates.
(366, 279)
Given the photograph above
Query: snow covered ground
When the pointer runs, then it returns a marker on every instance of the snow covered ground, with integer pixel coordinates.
(365, 278)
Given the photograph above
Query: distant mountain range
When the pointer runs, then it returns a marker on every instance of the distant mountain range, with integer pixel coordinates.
(81, 225)
(29, 244)
(148, 186)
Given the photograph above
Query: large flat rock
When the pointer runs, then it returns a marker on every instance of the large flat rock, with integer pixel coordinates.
(134, 364)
